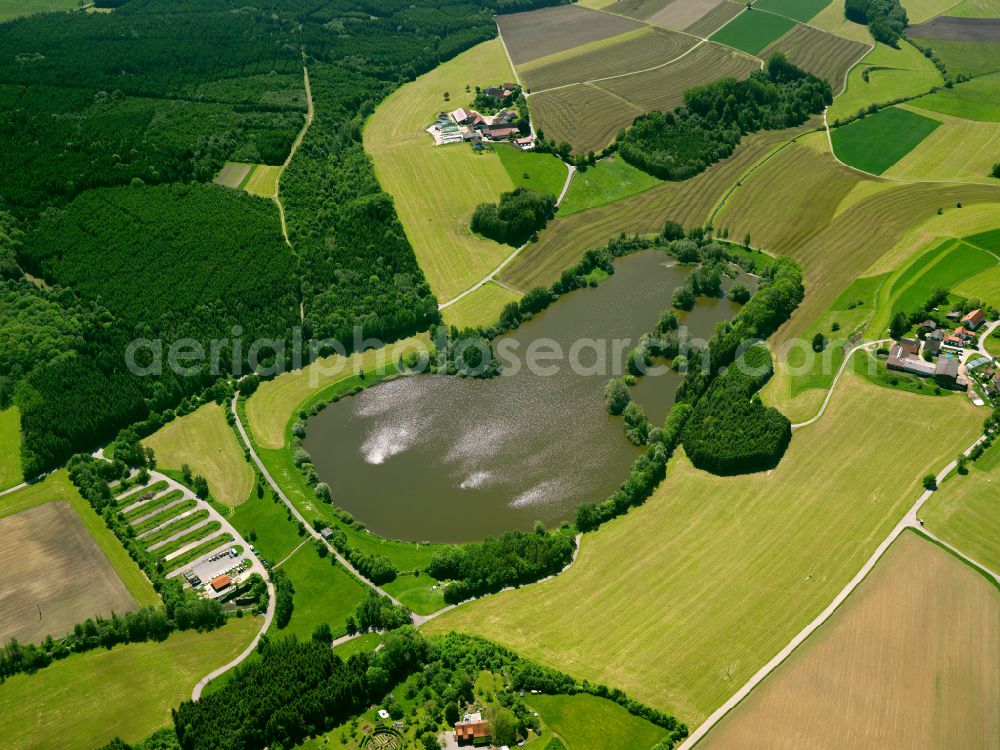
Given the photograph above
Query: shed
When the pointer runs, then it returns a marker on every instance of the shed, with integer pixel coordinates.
(946, 371)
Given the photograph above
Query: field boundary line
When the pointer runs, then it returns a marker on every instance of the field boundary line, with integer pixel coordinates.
(570, 171)
(987, 573)
(15, 488)
(287, 557)
(909, 521)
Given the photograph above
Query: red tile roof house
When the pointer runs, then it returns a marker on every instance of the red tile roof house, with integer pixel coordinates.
(472, 731)
(502, 133)
(221, 582)
(954, 342)
(974, 319)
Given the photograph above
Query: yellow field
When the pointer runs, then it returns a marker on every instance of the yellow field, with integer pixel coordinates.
(919, 11)
(584, 115)
(269, 409)
(984, 286)
(957, 150)
(682, 600)
(909, 662)
(10, 447)
(965, 512)
(832, 19)
(263, 180)
(88, 699)
(481, 308)
(436, 188)
(204, 441)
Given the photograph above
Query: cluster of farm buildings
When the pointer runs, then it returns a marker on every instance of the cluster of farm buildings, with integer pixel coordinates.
(937, 353)
(469, 126)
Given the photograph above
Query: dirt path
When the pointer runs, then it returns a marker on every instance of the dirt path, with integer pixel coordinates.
(15, 488)
(833, 385)
(295, 146)
(570, 171)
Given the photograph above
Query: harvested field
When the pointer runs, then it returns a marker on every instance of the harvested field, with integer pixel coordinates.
(538, 33)
(232, 174)
(55, 575)
(204, 441)
(800, 10)
(638, 9)
(716, 18)
(565, 240)
(664, 87)
(957, 150)
(709, 557)
(909, 662)
(955, 29)
(679, 14)
(630, 52)
(481, 308)
(753, 31)
(820, 53)
(584, 115)
(878, 141)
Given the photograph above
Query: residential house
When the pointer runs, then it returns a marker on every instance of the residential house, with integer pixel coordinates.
(965, 334)
(526, 143)
(974, 319)
(938, 335)
(475, 732)
(946, 371)
(953, 342)
(503, 133)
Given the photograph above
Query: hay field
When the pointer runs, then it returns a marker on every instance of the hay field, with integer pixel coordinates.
(637, 9)
(964, 511)
(878, 141)
(892, 73)
(481, 308)
(436, 188)
(55, 575)
(682, 600)
(584, 115)
(909, 662)
(919, 11)
(977, 99)
(976, 9)
(753, 31)
(799, 10)
(664, 87)
(636, 50)
(10, 447)
(985, 286)
(88, 699)
(968, 57)
(538, 33)
(820, 53)
(716, 18)
(680, 14)
(957, 150)
(271, 407)
(832, 19)
(232, 174)
(565, 240)
(204, 441)
(263, 180)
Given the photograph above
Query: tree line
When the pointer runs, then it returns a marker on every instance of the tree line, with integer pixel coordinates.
(678, 145)
(886, 19)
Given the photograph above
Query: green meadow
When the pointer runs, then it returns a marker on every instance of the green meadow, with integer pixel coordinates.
(878, 141)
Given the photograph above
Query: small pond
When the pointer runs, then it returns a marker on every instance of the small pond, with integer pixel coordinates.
(446, 459)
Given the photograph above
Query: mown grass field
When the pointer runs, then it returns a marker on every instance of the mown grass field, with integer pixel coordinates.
(57, 486)
(800, 10)
(892, 73)
(637, 9)
(752, 31)
(481, 308)
(16, 8)
(634, 50)
(538, 171)
(976, 9)
(984, 286)
(421, 593)
(263, 181)
(539, 33)
(10, 447)
(664, 87)
(586, 721)
(970, 58)
(204, 441)
(832, 19)
(680, 601)
(956, 150)
(270, 409)
(565, 240)
(323, 593)
(908, 662)
(721, 14)
(584, 115)
(977, 99)
(878, 141)
(88, 699)
(819, 52)
(612, 179)
(436, 188)
(964, 511)
(919, 11)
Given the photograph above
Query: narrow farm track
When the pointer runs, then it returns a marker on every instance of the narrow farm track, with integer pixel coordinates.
(15, 488)
(570, 171)
(295, 146)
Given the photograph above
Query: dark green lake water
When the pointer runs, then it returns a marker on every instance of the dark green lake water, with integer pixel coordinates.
(446, 459)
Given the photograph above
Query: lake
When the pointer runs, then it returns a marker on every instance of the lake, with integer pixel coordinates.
(447, 459)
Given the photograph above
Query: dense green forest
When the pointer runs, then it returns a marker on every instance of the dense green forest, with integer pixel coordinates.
(108, 119)
(678, 145)
(516, 217)
(886, 19)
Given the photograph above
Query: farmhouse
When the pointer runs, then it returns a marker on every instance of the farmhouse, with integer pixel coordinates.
(910, 346)
(946, 372)
(904, 360)
(974, 319)
(475, 732)
(953, 342)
